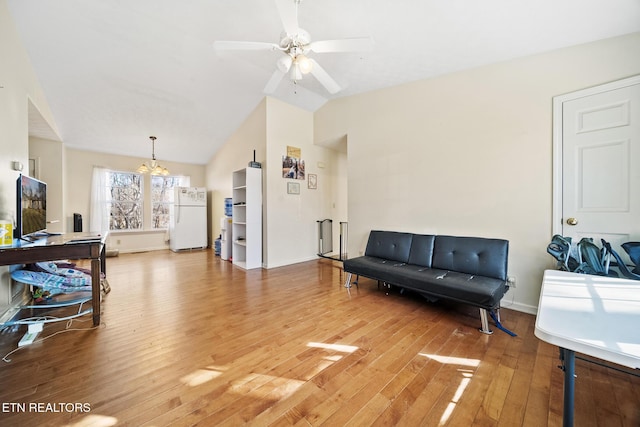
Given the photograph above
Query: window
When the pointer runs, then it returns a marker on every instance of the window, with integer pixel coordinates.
(162, 198)
(126, 202)
(118, 200)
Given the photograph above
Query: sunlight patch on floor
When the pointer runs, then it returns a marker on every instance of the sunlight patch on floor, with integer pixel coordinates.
(201, 376)
(266, 387)
(342, 348)
(275, 388)
(321, 366)
(333, 358)
(452, 360)
(456, 397)
(464, 382)
(95, 421)
(329, 359)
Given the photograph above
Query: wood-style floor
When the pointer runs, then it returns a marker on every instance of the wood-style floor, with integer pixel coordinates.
(188, 339)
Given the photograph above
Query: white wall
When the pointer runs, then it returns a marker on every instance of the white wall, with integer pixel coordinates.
(468, 153)
(78, 175)
(291, 218)
(289, 221)
(235, 155)
(338, 172)
(19, 87)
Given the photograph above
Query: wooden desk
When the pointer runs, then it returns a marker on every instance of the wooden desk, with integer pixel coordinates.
(593, 315)
(66, 246)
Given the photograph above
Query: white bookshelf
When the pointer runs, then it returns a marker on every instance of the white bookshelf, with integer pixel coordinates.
(247, 218)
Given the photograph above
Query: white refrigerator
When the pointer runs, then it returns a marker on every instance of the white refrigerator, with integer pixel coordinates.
(188, 219)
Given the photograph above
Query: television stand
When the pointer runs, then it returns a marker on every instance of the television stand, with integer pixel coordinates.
(65, 246)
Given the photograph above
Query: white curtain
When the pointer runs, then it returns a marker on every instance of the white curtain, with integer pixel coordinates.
(100, 198)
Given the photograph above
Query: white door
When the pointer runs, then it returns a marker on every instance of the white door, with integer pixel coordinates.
(601, 164)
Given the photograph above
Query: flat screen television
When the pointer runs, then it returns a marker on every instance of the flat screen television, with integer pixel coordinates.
(32, 206)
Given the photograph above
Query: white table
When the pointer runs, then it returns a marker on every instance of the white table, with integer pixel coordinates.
(593, 315)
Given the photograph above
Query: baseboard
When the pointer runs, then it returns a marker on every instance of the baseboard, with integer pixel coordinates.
(524, 308)
(290, 262)
(149, 249)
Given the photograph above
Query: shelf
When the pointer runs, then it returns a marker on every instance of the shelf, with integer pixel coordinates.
(247, 215)
(61, 300)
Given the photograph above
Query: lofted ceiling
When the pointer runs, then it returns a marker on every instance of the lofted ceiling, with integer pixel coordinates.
(115, 72)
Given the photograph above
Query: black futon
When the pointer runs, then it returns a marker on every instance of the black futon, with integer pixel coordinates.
(471, 270)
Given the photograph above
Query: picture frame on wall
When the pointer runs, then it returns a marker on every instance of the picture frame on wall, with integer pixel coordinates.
(293, 188)
(293, 168)
(312, 183)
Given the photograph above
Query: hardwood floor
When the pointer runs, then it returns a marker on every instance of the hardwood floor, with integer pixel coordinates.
(188, 339)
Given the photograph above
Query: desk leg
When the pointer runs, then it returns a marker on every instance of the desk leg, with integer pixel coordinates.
(568, 358)
(95, 290)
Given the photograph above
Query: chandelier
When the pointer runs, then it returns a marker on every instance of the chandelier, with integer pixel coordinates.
(154, 167)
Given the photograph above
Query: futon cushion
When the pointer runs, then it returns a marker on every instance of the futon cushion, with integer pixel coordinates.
(375, 268)
(389, 245)
(422, 250)
(472, 289)
(472, 255)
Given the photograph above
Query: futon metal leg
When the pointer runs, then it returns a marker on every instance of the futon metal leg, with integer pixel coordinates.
(388, 286)
(485, 322)
(347, 283)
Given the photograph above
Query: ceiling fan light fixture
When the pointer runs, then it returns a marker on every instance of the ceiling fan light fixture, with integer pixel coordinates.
(295, 74)
(295, 43)
(304, 64)
(284, 63)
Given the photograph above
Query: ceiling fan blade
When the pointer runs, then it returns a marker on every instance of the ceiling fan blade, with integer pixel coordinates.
(288, 10)
(274, 81)
(358, 44)
(241, 45)
(324, 78)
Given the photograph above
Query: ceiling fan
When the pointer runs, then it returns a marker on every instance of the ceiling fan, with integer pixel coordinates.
(295, 44)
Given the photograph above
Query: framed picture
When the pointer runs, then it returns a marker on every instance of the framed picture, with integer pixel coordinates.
(313, 181)
(293, 188)
(293, 168)
(294, 152)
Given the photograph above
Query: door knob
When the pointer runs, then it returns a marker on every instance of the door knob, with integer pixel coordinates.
(572, 221)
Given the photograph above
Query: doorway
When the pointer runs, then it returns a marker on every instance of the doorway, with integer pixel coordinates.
(596, 157)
